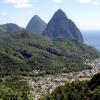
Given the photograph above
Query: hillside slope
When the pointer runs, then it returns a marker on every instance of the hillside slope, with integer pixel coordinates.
(22, 52)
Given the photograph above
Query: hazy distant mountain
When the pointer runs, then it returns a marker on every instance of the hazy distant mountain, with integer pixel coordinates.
(2, 29)
(36, 25)
(10, 27)
(62, 27)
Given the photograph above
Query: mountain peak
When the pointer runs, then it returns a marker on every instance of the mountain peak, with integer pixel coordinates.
(60, 11)
(60, 14)
(36, 17)
(62, 27)
(36, 25)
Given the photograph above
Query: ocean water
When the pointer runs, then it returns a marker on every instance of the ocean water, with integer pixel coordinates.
(92, 38)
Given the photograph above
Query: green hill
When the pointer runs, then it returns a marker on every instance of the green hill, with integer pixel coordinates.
(21, 52)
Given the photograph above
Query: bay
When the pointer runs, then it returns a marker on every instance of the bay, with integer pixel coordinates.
(92, 38)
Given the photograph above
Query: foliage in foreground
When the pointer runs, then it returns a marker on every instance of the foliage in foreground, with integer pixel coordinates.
(14, 89)
(84, 90)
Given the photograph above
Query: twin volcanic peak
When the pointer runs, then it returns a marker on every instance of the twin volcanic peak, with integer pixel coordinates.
(36, 25)
(61, 27)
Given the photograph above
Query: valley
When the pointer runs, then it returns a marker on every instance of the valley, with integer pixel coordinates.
(38, 59)
(43, 85)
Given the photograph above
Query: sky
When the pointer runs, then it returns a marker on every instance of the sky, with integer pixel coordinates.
(85, 13)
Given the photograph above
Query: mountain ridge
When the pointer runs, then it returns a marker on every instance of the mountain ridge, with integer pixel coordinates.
(60, 26)
(10, 27)
(36, 25)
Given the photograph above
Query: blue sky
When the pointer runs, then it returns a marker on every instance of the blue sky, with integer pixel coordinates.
(85, 13)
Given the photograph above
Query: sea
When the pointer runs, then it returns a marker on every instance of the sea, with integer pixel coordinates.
(92, 38)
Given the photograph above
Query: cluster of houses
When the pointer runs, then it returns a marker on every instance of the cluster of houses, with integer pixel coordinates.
(43, 85)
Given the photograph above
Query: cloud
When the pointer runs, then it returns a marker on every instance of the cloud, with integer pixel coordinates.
(19, 3)
(58, 1)
(95, 2)
(3, 13)
(85, 1)
(23, 5)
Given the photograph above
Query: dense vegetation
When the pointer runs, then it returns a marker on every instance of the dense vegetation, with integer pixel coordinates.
(21, 52)
(84, 90)
(14, 89)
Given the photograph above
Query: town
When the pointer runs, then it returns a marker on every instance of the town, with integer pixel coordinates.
(43, 85)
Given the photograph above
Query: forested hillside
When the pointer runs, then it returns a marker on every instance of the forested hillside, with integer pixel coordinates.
(21, 52)
(84, 90)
